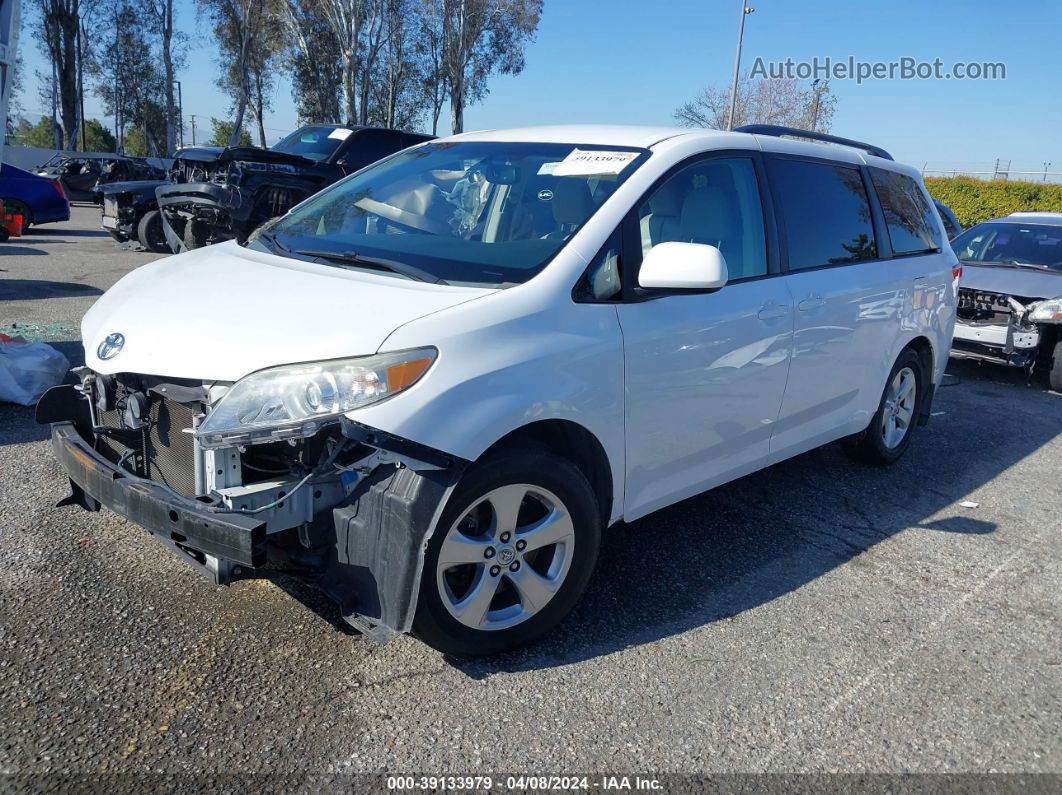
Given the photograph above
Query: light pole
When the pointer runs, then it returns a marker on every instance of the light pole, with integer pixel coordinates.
(737, 65)
(1047, 165)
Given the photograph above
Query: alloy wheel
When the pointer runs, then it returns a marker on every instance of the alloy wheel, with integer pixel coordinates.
(898, 411)
(506, 557)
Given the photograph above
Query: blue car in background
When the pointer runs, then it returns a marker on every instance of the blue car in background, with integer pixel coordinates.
(39, 200)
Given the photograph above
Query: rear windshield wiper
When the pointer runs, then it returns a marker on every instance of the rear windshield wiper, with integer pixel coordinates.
(354, 258)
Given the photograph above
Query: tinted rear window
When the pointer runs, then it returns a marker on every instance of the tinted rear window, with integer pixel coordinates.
(826, 213)
(908, 214)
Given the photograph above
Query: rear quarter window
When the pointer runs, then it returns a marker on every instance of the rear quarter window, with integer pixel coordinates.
(909, 216)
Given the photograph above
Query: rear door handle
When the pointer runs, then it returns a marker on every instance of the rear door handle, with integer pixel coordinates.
(811, 302)
(772, 311)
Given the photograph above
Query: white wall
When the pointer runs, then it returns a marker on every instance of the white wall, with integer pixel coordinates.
(29, 157)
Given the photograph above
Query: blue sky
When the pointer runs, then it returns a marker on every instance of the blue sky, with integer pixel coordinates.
(635, 61)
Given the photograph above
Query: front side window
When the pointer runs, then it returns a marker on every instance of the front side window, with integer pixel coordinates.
(1015, 244)
(464, 212)
(826, 213)
(601, 281)
(711, 201)
(909, 216)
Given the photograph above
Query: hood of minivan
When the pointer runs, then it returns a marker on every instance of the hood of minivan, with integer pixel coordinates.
(1010, 280)
(221, 312)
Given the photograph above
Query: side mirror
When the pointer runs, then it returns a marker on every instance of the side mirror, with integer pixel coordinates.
(683, 266)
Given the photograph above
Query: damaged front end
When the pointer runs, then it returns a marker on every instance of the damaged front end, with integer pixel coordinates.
(345, 508)
(216, 195)
(996, 327)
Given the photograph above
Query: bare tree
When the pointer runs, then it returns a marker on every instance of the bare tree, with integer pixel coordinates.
(262, 68)
(346, 17)
(312, 55)
(782, 101)
(160, 19)
(127, 78)
(431, 48)
(240, 26)
(397, 99)
(57, 23)
(482, 37)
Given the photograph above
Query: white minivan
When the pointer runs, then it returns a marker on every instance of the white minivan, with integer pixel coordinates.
(429, 388)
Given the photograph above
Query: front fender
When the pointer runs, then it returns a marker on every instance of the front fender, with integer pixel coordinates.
(498, 372)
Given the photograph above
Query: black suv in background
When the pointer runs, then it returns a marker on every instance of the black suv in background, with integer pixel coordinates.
(220, 194)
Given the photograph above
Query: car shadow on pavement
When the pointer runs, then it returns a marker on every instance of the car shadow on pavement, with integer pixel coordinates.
(66, 231)
(7, 249)
(754, 540)
(41, 289)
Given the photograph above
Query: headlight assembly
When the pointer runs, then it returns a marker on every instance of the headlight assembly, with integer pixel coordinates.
(294, 401)
(1049, 311)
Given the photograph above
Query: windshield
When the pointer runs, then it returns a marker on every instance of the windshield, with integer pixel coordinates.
(1011, 243)
(315, 143)
(470, 213)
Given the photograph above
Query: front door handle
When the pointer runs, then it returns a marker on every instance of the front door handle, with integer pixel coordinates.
(772, 311)
(811, 302)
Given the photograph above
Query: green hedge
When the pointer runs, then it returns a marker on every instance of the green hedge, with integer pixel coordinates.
(974, 200)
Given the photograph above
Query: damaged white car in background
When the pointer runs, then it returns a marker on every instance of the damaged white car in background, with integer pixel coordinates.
(1010, 293)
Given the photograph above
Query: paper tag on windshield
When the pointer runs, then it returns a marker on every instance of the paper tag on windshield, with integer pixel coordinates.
(342, 133)
(548, 168)
(593, 163)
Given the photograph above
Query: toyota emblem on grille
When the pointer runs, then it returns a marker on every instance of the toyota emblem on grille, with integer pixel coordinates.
(111, 346)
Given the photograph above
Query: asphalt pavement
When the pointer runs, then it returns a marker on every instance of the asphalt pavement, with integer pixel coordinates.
(816, 617)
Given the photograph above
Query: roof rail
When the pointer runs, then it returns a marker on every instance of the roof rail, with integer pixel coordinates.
(778, 131)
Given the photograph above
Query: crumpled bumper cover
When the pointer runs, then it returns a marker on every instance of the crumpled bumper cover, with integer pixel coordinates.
(230, 200)
(175, 520)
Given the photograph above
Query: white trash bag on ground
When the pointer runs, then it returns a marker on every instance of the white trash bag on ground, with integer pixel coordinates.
(28, 370)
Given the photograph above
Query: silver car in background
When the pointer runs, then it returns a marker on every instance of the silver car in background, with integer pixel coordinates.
(1010, 293)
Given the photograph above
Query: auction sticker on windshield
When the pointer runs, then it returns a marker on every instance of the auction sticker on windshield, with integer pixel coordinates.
(341, 133)
(583, 163)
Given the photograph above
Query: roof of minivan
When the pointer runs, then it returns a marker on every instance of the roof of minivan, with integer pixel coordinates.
(601, 134)
(645, 137)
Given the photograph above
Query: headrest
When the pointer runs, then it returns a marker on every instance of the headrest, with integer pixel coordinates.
(571, 201)
(709, 214)
(666, 200)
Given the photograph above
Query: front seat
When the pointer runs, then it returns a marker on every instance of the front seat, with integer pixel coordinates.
(710, 215)
(571, 204)
(661, 223)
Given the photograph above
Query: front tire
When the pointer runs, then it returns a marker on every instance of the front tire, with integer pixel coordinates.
(889, 433)
(150, 232)
(1054, 375)
(513, 553)
(195, 234)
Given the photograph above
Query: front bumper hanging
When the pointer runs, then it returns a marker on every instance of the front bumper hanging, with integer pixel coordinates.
(187, 523)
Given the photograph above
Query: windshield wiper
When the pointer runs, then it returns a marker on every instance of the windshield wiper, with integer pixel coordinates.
(354, 258)
(270, 238)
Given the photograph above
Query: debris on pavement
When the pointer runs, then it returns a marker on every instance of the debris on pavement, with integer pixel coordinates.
(28, 369)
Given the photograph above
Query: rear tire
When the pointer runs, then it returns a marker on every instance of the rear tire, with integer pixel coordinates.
(889, 433)
(150, 232)
(524, 574)
(17, 207)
